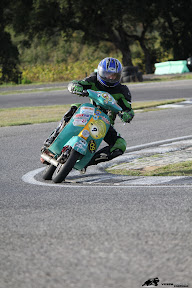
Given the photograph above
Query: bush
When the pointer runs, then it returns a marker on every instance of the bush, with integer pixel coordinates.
(58, 72)
(26, 81)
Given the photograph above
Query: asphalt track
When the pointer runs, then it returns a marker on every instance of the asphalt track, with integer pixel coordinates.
(140, 92)
(93, 234)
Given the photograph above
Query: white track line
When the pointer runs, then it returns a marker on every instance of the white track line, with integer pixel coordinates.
(29, 177)
(157, 143)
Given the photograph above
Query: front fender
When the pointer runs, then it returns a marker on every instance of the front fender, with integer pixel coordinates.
(78, 144)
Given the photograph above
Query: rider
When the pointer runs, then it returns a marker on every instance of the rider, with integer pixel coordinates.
(107, 79)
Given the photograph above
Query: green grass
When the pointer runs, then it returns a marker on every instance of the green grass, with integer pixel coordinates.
(31, 115)
(31, 90)
(178, 169)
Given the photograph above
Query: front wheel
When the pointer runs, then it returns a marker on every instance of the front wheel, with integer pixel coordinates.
(63, 170)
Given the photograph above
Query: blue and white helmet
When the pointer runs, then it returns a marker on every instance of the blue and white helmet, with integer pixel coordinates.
(109, 72)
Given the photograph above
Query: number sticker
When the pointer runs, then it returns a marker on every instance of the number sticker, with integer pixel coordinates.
(97, 129)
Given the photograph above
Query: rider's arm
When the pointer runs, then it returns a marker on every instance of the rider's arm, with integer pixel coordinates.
(125, 103)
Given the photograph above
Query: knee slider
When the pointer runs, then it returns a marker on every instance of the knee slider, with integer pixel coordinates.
(119, 144)
(115, 153)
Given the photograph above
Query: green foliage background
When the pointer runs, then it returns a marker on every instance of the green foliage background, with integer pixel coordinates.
(57, 59)
(51, 59)
(53, 35)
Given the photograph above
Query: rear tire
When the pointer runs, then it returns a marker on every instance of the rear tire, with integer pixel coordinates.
(48, 172)
(62, 170)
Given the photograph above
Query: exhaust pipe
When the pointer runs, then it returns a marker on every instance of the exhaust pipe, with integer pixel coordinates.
(49, 159)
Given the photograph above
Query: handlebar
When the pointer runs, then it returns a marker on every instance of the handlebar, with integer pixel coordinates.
(85, 93)
(101, 98)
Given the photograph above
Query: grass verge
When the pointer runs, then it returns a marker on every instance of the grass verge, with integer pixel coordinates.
(178, 169)
(32, 90)
(45, 114)
(31, 115)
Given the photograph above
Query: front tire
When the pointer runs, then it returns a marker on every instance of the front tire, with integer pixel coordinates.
(48, 172)
(62, 170)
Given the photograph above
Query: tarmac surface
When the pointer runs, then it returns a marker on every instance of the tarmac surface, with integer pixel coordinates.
(102, 231)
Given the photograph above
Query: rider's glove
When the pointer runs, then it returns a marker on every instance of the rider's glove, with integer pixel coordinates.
(77, 87)
(127, 116)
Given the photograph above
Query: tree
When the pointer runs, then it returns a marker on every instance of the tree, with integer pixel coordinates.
(8, 52)
(176, 27)
(144, 20)
(121, 22)
(98, 22)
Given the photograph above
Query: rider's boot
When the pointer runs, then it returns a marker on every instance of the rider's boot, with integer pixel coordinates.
(107, 153)
(103, 155)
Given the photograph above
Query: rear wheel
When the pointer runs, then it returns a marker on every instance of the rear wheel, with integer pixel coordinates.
(62, 170)
(48, 172)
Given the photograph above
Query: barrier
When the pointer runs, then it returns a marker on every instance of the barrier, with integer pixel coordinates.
(171, 67)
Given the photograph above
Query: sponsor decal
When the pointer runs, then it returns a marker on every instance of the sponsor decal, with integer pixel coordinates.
(80, 145)
(98, 112)
(92, 146)
(87, 110)
(97, 129)
(105, 119)
(95, 117)
(106, 96)
(83, 142)
(82, 116)
(79, 122)
(85, 133)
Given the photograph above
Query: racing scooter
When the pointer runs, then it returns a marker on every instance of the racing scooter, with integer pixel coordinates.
(80, 138)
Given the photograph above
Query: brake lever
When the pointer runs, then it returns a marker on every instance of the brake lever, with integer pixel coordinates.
(121, 117)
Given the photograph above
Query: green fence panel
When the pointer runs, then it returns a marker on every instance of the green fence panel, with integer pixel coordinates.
(171, 67)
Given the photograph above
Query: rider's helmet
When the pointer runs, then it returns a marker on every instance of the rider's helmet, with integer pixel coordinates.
(109, 72)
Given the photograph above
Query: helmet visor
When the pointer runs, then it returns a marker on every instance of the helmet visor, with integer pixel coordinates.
(109, 76)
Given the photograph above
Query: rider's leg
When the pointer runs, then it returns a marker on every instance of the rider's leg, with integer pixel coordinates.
(67, 116)
(117, 146)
